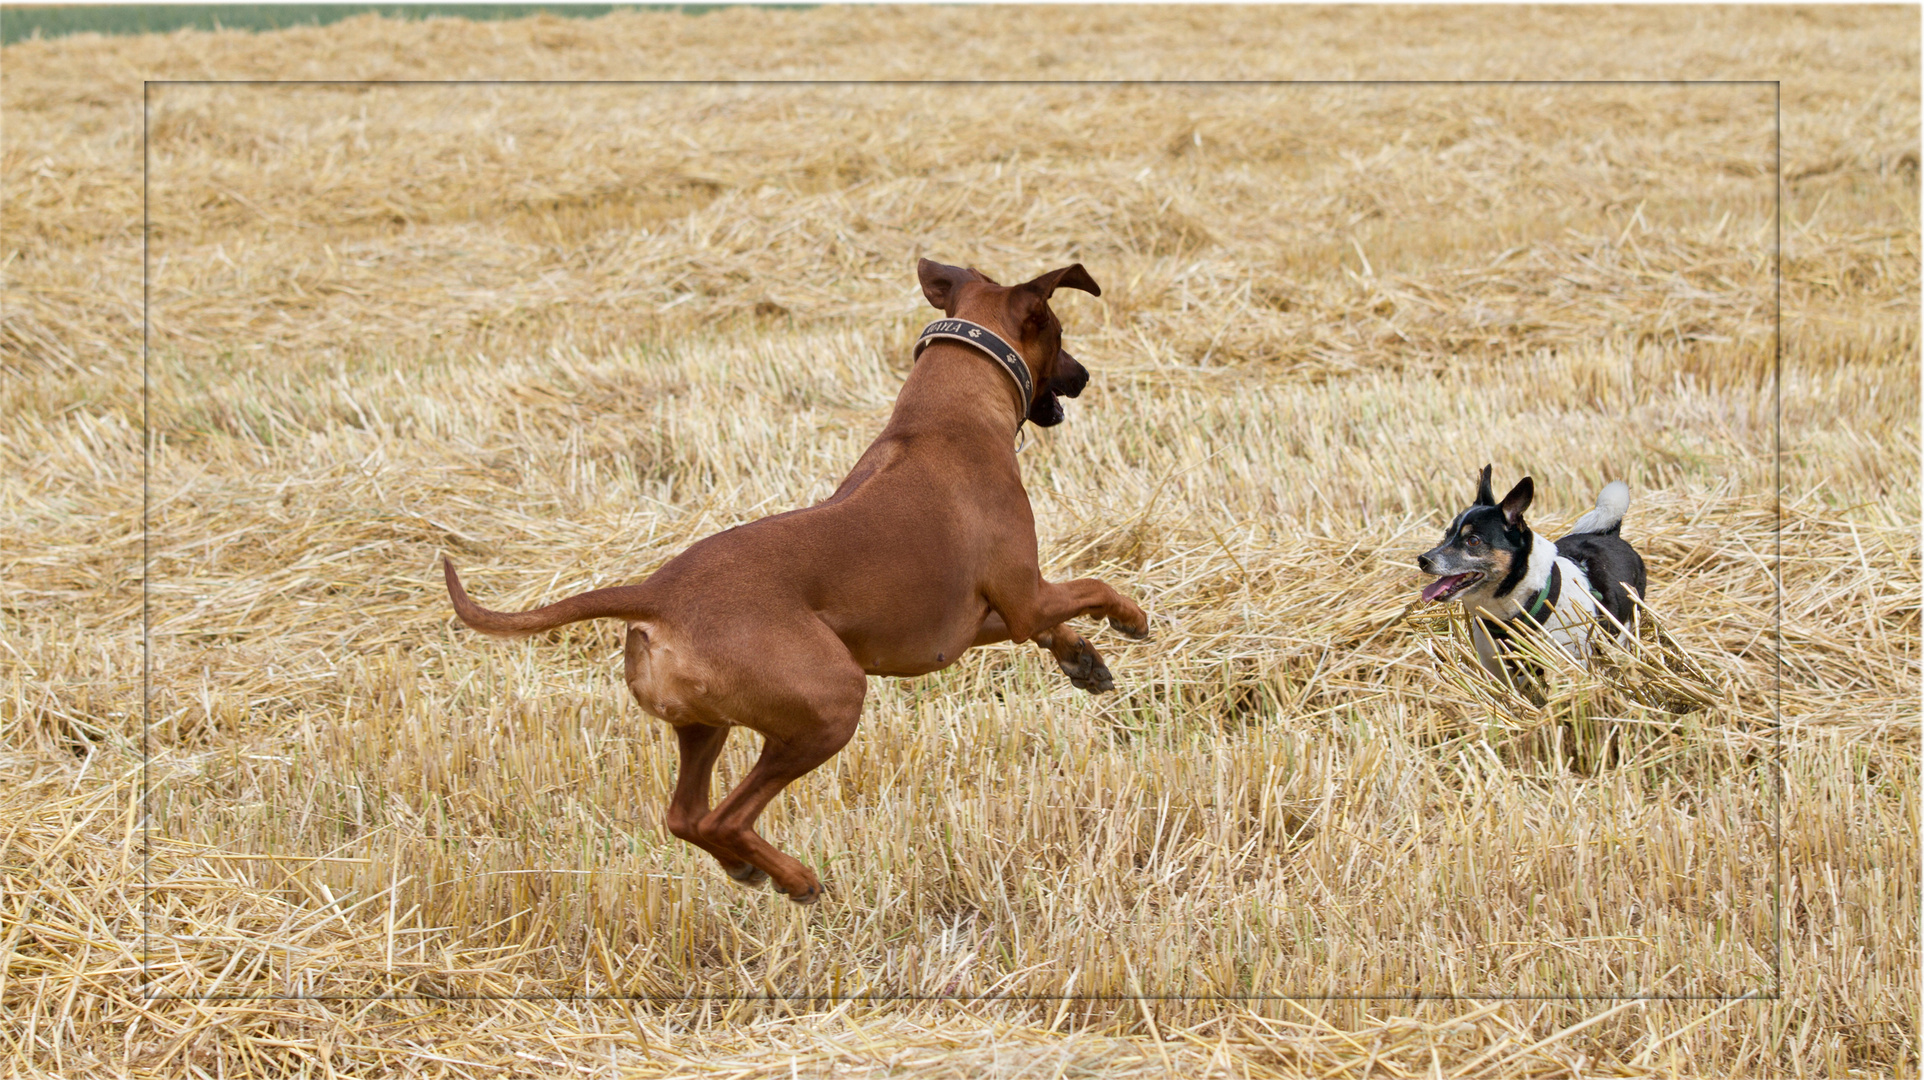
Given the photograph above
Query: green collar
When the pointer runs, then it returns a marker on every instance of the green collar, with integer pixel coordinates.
(1546, 600)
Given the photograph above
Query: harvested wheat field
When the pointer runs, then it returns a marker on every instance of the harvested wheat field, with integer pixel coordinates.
(561, 331)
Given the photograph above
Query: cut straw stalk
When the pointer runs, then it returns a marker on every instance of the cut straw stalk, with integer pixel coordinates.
(567, 333)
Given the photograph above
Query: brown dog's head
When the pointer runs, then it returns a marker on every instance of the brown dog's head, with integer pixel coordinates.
(1022, 314)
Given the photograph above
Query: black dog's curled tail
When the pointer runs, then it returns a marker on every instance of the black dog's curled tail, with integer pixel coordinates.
(1612, 501)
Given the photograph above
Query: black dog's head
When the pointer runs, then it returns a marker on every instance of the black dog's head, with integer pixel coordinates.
(1021, 314)
(1486, 549)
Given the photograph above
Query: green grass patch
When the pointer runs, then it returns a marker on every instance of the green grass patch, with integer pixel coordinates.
(19, 23)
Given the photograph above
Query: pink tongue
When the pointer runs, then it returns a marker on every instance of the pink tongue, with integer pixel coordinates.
(1440, 586)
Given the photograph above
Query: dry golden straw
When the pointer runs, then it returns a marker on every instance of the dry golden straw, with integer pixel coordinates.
(564, 331)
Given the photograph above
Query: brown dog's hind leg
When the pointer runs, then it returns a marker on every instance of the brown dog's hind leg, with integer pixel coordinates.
(1078, 659)
(797, 685)
(783, 760)
(654, 686)
(700, 746)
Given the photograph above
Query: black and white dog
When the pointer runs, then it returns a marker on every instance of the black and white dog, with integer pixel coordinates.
(1492, 564)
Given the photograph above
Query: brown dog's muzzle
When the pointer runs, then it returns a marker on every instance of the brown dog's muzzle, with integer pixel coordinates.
(1067, 380)
(1070, 376)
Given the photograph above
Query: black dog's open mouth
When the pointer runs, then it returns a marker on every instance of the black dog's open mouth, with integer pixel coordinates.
(1445, 587)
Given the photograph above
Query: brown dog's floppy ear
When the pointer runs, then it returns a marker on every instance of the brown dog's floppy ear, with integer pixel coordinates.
(1484, 496)
(1072, 276)
(940, 281)
(1029, 300)
(1517, 501)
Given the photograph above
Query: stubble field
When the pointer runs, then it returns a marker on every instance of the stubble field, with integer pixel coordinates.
(559, 332)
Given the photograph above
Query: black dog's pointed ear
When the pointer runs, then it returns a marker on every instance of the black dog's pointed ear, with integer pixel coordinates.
(1072, 276)
(1484, 496)
(1517, 501)
(940, 281)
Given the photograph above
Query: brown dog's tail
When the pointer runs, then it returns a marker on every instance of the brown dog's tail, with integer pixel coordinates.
(623, 602)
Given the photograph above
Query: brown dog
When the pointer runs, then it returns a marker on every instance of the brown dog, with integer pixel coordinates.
(926, 549)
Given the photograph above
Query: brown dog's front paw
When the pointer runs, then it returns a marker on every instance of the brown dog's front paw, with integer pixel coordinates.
(1098, 682)
(1134, 632)
(748, 874)
(810, 895)
(1086, 671)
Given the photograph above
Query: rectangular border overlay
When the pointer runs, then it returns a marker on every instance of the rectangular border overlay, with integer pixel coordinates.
(1775, 991)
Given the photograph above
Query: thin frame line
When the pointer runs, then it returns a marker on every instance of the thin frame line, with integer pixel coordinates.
(1777, 570)
(964, 82)
(146, 534)
(1777, 464)
(672, 998)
